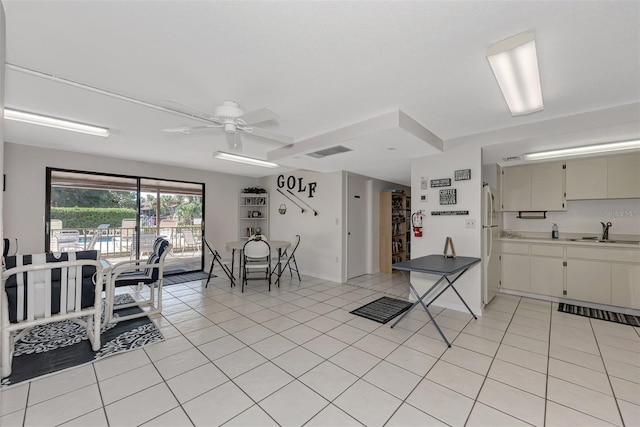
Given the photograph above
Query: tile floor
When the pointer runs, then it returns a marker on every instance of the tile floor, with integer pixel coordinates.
(296, 357)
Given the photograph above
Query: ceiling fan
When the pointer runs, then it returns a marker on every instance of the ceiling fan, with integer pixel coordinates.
(234, 121)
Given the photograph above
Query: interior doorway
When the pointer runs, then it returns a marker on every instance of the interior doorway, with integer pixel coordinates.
(358, 226)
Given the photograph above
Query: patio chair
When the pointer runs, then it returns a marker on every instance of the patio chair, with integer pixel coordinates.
(127, 233)
(97, 233)
(256, 257)
(47, 288)
(139, 273)
(224, 263)
(67, 240)
(190, 241)
(147, 240)
(287, 260)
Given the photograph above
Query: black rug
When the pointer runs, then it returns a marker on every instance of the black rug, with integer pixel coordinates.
(186, 277)
(383, 309)
(61, 345)
(611, 316)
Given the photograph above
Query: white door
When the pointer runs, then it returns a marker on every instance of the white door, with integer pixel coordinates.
(358, 246)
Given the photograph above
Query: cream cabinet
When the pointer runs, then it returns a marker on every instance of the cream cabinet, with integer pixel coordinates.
(625, 285)
(547, 269)
(614, 177)
(591, 273)
(538, 187)
(515, 272)
(586, 179)
(516, 188)
(623, 176)
(589, 280)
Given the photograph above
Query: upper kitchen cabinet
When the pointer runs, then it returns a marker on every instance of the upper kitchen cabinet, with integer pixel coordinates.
(615, 177)
(537, 187)
(623, 176)
(587, 179)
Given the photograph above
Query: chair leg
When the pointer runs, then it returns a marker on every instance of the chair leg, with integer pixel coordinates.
(210, 271)
(7, 350)
(296, 268)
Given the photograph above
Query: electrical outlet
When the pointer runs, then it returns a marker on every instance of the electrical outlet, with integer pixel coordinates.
(470, 223)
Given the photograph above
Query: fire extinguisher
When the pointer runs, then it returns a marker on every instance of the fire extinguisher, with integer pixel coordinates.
(416, 221)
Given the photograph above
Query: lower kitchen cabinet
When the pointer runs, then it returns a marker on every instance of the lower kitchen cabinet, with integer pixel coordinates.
(625, 286)
(589, 280)
(596, 274)
(547, 276)
(515, 272)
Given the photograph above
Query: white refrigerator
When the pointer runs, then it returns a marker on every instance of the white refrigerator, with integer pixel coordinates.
(490, 244)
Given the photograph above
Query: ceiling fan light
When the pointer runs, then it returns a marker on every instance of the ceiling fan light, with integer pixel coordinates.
(514, 63)
(53, 122)
(243, 159)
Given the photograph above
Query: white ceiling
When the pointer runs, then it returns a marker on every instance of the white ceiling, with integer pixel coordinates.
(322, 66)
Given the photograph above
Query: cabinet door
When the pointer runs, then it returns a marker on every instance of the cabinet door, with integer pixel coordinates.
(515, 272)
(625, 285)
(547, 276)
(547, 187)
(623, 176)
(586, 179)
(516, 188)
(589, 280)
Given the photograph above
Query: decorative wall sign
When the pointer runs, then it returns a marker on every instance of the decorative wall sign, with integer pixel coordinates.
(442, 182)
(292, 182)
(435, 213)
(462, 175)
(448, 197)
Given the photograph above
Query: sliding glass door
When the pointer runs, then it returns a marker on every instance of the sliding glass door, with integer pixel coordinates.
(122, 215)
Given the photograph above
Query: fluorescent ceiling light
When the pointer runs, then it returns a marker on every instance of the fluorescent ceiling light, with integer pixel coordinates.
(515, 65)
(242, 159)
(36, 119)
(584, 150)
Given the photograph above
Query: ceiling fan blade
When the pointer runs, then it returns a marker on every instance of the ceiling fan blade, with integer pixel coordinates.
(257, 116)
(235, 141)
(189, 129)
(262, 133)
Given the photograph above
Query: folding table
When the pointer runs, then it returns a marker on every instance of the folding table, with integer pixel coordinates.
(440, 266)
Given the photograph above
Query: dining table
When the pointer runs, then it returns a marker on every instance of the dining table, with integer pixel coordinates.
(238, 245)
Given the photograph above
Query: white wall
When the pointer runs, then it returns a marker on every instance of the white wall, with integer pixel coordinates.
(24, 201)
(320, 253)
(584, 216)
(438, 228)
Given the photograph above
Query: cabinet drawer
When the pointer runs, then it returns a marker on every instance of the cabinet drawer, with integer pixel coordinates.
(515, 248)
(603, 254)
(547, 250)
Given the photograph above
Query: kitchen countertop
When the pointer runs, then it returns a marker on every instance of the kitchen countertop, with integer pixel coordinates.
(574, 240)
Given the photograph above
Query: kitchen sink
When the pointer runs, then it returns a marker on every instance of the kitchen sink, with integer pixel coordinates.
(599, 240)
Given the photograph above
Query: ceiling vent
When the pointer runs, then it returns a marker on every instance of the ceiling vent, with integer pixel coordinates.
(511, 159)
(329, 152)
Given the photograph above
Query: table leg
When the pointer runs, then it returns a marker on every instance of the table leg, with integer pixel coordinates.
(420, 301)
(450, 284)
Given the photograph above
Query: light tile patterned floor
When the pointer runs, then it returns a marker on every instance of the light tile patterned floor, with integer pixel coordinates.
(295, 357)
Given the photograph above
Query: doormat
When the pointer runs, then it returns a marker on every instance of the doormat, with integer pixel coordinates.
(383, 309)
(186, 277)
(54, 347)
(594, 313)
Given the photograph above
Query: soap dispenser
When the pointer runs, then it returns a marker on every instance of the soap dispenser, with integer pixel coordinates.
(554, 231)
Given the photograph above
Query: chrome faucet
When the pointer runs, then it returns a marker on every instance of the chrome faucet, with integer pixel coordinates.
(605, 230)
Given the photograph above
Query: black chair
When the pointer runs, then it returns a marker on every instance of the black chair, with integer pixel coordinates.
(289, 261)
(256, 256)
(223, 263)
(138, 273)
